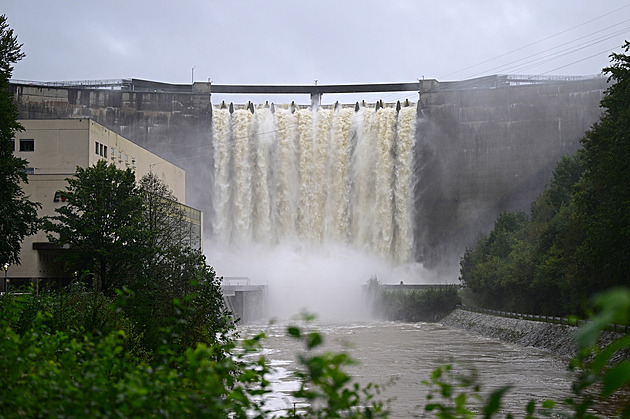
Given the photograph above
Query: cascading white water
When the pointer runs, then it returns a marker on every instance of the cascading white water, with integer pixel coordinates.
(325, 176)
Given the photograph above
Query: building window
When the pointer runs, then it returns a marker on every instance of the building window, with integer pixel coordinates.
(101, 153)
(96, 149)
(27, 145)
(105, 151)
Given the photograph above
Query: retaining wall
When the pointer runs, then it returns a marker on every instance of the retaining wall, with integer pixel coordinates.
(552, 337)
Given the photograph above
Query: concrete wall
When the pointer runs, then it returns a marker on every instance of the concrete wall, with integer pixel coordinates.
(246, 302)
(484, 151)
(558, 339)
(479, 152)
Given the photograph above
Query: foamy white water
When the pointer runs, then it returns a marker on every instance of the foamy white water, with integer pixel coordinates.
(314, 203)
(326, 176)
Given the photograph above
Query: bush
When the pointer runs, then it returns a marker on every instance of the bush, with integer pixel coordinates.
(412, 305)
(81, 373)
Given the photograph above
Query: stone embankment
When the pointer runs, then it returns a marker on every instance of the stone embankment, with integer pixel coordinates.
(555, 338)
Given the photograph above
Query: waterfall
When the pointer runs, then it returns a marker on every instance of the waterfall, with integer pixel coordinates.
(317, 176)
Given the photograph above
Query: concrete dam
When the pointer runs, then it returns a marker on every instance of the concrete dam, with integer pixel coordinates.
(416, 181)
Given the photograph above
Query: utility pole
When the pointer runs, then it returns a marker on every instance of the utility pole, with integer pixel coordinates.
(192, 75)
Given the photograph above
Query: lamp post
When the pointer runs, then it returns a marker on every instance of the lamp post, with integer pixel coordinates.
(6, 269)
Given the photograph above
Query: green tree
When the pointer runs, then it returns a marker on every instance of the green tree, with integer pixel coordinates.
(529, 265)
(136, 239)
(577, 241)
(174, 279)
(490, 270)
(101, 223)
(555, 234)
(18, 215)
(165, 217)
(603, 200)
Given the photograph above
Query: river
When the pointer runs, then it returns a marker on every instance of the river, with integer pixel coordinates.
(402, 355)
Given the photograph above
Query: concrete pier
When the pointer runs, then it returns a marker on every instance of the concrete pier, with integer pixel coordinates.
(245, 301)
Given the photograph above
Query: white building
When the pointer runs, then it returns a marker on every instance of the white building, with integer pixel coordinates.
(53, 149)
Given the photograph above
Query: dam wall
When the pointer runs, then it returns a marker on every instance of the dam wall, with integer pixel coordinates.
(484, 151)
(480, 150)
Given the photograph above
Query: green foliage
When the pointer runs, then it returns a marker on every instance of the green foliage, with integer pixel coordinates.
(136, 239)
(74, 312)
(164, 218)
(51, 373)
(541, 267)
(414, 305)
(530, 264)
(18, 215)
(50, 366)
(496, 269)
(459, 395)
(10, 50)
(604, 191)
(174, 271)
(327, 388)
(102, 224)
(609, 366)
(48, 369)
(577, 240)
(190, 293)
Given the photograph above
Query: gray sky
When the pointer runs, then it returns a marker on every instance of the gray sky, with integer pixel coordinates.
(296, 42)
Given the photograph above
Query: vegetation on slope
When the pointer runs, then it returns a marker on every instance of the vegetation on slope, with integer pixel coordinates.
(576, 240)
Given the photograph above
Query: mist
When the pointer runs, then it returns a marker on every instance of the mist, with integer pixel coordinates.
(326, 281)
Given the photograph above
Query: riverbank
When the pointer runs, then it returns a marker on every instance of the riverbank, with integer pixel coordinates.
(554, 338)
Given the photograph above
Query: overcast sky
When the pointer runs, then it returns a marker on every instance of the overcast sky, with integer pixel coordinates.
(297, 42)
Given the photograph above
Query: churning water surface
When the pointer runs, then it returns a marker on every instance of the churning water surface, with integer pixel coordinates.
(401, 355)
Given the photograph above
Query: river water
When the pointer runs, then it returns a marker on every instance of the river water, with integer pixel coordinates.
(402, 355)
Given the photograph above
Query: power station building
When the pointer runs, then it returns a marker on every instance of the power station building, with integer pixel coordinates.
(54, 148)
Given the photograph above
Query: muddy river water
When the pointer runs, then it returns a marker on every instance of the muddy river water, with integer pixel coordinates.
(402, 355)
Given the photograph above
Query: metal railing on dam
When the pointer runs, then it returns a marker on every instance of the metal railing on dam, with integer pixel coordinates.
(420, 86)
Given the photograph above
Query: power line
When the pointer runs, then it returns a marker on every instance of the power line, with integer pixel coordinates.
(577, 61)
(536, 42)
(532, 61)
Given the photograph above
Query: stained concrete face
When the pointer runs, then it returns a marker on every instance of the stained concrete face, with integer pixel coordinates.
(479, 152)
(484, 151)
